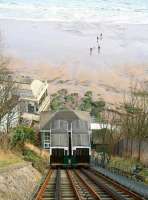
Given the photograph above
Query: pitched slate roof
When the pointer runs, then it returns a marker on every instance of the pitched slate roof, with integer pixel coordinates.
(68, 115)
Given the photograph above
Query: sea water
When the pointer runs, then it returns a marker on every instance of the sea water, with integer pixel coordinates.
(76, 11)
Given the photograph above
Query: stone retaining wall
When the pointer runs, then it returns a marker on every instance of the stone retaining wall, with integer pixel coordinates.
(18, 182)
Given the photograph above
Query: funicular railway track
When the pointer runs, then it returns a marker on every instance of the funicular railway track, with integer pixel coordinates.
(82, 184)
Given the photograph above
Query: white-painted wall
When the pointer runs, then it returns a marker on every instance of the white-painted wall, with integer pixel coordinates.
(98, 126)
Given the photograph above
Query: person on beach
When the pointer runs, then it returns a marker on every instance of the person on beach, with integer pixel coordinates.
(97, 39)
(101, 36)
(91, 51)
(99, 49)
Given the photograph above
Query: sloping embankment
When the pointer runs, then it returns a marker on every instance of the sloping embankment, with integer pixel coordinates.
(18, 182)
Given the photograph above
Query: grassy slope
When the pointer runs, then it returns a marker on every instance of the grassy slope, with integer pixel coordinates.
(8, 158)
(128, 165)
(123, 163)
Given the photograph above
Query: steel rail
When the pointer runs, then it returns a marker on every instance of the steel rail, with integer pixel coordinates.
(90, 189)
(78, 197)
(118, 185)
(58, 188)
(44, 185)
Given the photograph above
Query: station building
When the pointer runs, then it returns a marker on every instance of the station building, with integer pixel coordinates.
(66, 134)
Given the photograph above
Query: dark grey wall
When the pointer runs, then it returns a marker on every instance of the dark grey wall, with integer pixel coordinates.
(126, 148)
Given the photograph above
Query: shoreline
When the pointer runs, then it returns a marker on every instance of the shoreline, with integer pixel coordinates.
(74, 21)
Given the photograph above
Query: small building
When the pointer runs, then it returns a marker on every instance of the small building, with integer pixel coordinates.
(34, 98)
(66, 134)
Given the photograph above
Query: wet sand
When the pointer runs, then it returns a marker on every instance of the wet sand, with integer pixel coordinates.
(48, 50)
(49, 43)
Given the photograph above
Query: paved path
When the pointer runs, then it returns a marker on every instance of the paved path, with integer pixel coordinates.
(138, 187)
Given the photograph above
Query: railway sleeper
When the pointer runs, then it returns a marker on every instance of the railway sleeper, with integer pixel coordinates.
(122, 189)
(113, 193)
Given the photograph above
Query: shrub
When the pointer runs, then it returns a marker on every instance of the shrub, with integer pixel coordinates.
(56, 103)
(21, 135)
(37, 162)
